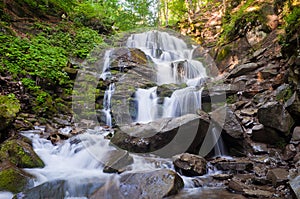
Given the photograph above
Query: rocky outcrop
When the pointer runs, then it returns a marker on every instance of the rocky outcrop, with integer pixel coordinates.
(190, 165)
(166, 137)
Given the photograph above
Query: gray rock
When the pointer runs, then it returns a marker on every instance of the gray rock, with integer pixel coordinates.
(117, 161)
(277, 176)
(275, 116)
(166, 137)
(295, 185)
(64, 188)
(153, 184)
(296, 134)
(190, 165)
(242, 70)
(231, 124)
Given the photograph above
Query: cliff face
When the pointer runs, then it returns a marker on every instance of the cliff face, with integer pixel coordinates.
(235, 30)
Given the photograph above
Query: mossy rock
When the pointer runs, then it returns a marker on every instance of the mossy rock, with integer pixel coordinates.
(12, 178)
(20, 153)
(9, 107)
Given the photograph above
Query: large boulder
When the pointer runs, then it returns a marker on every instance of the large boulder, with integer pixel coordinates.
(166, 136)
(145, 184)
(13, 179)
(19, 152)
(190, 165)
(274, 115)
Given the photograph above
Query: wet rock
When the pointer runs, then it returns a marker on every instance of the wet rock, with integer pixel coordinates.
(275, 116)
(63, 189)
(233, 165)
(12, 178)
(123, 58)
(277, 176)
(289, 152)
(164, 136)
(50, 129)
(295, 185)
(57, 137)
(242, 70)
(131, 68)
(190, 165)
(296, 134)
(259, 148)
(117, 161)
(222, 176)
(20, 153)
(166, 90)
(152, 184)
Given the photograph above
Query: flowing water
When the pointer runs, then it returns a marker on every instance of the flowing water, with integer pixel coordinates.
(79, 159)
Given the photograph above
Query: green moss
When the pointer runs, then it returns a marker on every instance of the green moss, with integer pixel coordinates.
(9, 107)
(20, 153)
(284, 95)
(231, 99)
(13, 180)
(223, 53)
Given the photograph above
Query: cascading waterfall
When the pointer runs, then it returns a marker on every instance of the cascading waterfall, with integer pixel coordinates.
(78, 159)
(174, 64)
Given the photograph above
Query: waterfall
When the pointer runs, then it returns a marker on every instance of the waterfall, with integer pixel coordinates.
(107, 104)
(172, 56)
(146, 104)
(173, 60)
(105, 70)
(219, 147)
